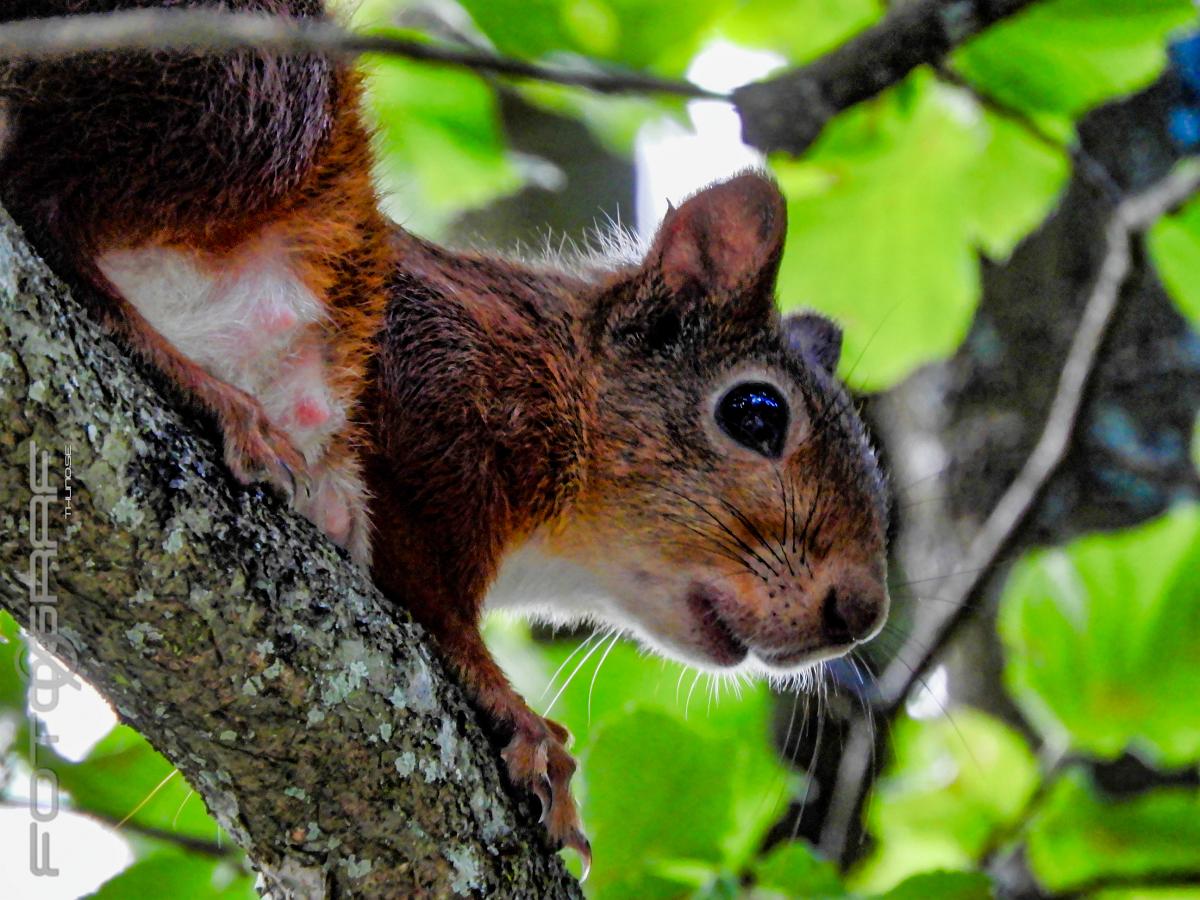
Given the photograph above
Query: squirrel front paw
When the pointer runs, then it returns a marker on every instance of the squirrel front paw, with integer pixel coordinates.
(255, 449)
(537, 759)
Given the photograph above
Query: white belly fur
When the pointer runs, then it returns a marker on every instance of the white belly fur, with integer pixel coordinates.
(548, 588)
(249, 320)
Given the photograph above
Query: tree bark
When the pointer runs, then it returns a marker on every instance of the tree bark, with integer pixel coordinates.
(311, 716)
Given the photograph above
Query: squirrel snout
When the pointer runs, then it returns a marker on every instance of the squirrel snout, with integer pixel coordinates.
(853, 609)
(850, 616)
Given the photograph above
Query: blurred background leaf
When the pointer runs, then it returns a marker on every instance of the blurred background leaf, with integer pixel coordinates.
(1102, 639)
(1079, 837)
(1174, 244)
(937, 805)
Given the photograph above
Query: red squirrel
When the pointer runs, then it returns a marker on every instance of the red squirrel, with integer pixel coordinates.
(643, 443)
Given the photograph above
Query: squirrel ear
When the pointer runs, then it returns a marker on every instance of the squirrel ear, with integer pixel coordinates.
(726, 238)
(815, 338)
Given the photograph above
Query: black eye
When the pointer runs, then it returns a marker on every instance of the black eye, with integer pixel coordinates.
(756, 416)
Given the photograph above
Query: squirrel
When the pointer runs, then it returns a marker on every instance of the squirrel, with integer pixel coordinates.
(644, 443)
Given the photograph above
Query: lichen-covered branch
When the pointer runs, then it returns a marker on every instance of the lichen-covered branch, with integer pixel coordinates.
(314, 721)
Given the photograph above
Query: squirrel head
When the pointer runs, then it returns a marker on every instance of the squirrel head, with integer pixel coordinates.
(731, 507)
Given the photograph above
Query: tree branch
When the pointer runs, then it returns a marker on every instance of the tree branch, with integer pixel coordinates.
(1131, 217)
(311, 717)
(789, 111)
(1003, 524)
(786, 112)
(212, 30)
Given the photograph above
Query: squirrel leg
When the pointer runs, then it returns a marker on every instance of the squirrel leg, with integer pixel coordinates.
(254, 447)
(536, 755)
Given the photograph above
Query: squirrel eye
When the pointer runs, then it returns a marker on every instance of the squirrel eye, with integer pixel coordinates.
(756, 416)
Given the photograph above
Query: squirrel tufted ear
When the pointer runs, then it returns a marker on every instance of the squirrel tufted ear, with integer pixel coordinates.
(815, 338)
(726, 238)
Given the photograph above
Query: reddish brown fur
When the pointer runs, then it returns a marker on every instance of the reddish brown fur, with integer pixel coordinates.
(509, 400)
(203, 153)
(497, 401)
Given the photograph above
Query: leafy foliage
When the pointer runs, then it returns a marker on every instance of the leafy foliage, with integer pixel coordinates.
(888, 216)
(937, 806)
(1102, 639)
(1174, 244)
(1079, 836)
(1062, 57)
(952, 179)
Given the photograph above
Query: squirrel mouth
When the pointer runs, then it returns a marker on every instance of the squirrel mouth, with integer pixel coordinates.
(720, 642)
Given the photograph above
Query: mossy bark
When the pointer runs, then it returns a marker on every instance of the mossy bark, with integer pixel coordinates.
(310, 715)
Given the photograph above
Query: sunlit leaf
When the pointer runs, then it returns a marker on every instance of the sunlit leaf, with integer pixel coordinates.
(658, 36)
(1102, 637)
(794, 869)
(937, 805)
(942, 886)
(1012, 186)
(1174, 244)
(659, 793)
(1078, 836)
(13, 676)
(614, 692)
(886, 215)
(799, 30)
(439, 142)
(180, 876)
(123, 778)
(1064, 56)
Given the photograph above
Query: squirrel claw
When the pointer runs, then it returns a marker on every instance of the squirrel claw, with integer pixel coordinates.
(578, 842)
(537, 759)
(257, 449)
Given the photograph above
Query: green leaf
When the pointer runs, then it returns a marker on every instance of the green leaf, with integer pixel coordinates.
(1102, 636)
(799, 30)
(885, 215)
(14, 716)
(14, 679)
(180, 876)
(942, 886)
(439, 144)
(658, 36)
(124, 776)
(617, 693)
(644, 818)
(937, 805)
(1077, 836)
(1064, 56)
(1012, 185)
(795, 870)
(1174, 245)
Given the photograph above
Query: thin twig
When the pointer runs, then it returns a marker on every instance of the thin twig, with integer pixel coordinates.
(1130, 217)
(212, 30)
(213, 848)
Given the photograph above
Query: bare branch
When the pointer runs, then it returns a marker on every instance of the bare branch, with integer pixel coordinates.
(211, 30)
(788, 111)
(1130, 217)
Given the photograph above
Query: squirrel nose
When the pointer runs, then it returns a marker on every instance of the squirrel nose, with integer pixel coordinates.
(852, 612)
